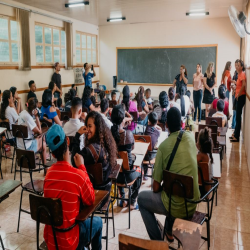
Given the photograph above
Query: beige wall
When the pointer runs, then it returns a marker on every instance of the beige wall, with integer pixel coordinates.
(42, 77)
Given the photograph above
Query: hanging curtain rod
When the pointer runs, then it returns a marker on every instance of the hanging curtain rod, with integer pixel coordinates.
(35, 12)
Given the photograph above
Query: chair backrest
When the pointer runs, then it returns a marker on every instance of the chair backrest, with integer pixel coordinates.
(213, 128)
(65, 115)
(45, 123)
(124, 156)
(26, 158)
(112, 104)
(175, 184)
(214, 139)
(127, 242)
(144, 138)
(203, 173)
(214, 121)
(52, 205)
(5, 124)
(211, 112)
(95, 173)
(162, 125)
(20, 131)
(134, 115)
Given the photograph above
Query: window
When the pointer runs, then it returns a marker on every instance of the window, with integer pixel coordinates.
(9, 40)
(50, 44)
(86, 48)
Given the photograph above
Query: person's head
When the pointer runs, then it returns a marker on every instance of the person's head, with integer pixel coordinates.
(220, 105)
(76, 106)
(7, 100)
(72, 94)
(198, 68)
(73, 86)
(235, 64)
(183, 69)
(102, 95)
(148, 93)
(92, 92)
(139, 96)
(113, 96)
(14, 92)
(227, 67)
(86, 94)
(59, 102)
(32, 86)
(52, 86)
(98, 132)
(240, 66)
(32, 104)
(163, 99)
(171, 93)
(57, 67)
(210, 69)
(152, 119)
(117, 118)
(57, 141)
(173, 120)
(126, 96)
(86, 66)
(188, 93)
(47, 98)
(222, 92)
(104, 105)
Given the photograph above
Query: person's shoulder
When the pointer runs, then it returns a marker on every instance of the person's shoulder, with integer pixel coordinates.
(194, 75)
(213, 74)
(177, 76)
(52, 109)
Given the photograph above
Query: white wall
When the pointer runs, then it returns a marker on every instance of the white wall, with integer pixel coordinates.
(193, 32)
(42, 77)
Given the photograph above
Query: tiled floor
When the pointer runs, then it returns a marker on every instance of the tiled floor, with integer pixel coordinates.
(230, 224)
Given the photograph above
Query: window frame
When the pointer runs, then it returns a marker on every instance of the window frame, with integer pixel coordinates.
(52, 45)
(10, 18)
(80, 48)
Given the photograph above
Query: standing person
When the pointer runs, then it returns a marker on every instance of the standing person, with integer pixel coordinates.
(16, 99)
(240, 96)
(181, 79)
(226, 78)
(32, 86)
(87, 75)
(197, 91)
(209, 84)
(56, 78)
(171, 96)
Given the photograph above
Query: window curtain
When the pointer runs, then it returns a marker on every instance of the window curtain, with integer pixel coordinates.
(69, 47)
(24, 35)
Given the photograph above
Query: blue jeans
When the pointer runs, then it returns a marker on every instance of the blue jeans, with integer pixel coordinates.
(234, 114)
(227, 95)
(143, 122)
(150, 203)
(197, 94)
(84, 233)
(57, 95)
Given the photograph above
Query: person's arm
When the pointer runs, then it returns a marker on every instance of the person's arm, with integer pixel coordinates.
(146, 106)
(184, 78)
(225, 81)
(157, 187)
(18, 109)
(193, 81)
(158, 127)
(37, 129)
(241, 89)
(174, 83)
(94, 72)
(205, 84)
(215, 82)
(93, 108)
(56, 118)
(59, 90)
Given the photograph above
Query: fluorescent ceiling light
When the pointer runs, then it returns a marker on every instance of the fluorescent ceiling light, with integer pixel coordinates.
(197, 13)
(77, 4)
(116, 19)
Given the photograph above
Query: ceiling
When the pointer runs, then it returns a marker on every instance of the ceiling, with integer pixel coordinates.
(135, 11)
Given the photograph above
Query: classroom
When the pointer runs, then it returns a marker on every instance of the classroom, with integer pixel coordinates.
(124, 124)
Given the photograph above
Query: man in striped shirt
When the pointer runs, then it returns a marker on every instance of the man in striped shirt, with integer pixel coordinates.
(72, 186)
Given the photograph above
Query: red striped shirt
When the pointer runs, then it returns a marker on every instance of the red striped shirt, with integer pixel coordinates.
(70, 185)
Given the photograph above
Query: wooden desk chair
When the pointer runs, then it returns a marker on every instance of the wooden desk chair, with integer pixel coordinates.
(112, 104)
(131, 243)
(65, 115)
(162, 125)
(211, 112)
(182, 186)
(27, 162)
(45, 123)
(214, 121)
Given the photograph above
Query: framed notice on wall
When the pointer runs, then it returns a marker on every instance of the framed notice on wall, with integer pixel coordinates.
(78, 72)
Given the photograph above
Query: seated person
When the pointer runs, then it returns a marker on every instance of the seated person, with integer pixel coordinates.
(161, 110)
(104, 110)
(102, 95)
(34, 127)
(47, 108)
(74, 124)
(32, 86)
(59, 104)
(16, 99)
(142, 107)
(184, 103)
(73, 86)
(191, 108)
(92, 97)
(86, 101)
(52, 86)
(113, 96)
(171, 97)
(220, 107)
(125, 142)
(72, 185)
(184, 163)
(72, 94)
(149, 100)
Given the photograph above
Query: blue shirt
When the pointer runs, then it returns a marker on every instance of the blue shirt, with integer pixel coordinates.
(87, 104)
(46, 111)
(88, 79)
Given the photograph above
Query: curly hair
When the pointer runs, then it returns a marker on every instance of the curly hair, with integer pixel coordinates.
(5, 103)
(102, 136)
(139, 96)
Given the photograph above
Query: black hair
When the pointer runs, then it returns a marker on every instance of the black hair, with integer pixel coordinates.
(92, 90)
(13, 91)
(31, 82)
(73, 85)
(126, 95)
(86, 94)
(51, 85)
(76, 101)
(104, 105)
(222, 92)
(153, 118)
(113, 93)
(5, 103)
(171, 93)
(55, 65)
(117, 116)
(237, 60)
(59, 102)
(242, 65)
(163, 99)
(93, 100)
(174, 119)
(182, 93)
(220, 105)
(32, 104)
(139, 96)
(59, 152)
(148, 90)
(188, 93)
(47, 98)
(85, 65)
(102, 95)
(72, 94)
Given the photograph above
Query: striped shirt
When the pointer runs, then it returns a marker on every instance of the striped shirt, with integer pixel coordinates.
(71, 185)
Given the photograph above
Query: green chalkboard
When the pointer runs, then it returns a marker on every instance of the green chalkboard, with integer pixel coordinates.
(161, 65)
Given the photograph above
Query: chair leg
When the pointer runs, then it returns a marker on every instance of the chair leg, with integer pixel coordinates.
(107, 229)
(20, 211)
(113, 219)
(129, 202)
(1, 241)
(208, 234)
(13, 159)
(1, 166)
(216, 196)
(15, 170)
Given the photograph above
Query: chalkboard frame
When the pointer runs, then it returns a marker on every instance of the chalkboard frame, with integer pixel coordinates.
(163, 47)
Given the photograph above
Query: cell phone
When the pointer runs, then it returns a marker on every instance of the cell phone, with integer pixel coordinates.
(92, 67)
(183, 70)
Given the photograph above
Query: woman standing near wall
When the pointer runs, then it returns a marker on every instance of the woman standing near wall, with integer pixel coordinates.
(181, 79)
(197, 91)
(209, 81)
(226, 78)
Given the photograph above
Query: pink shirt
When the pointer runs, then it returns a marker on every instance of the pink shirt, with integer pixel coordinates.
(132, 108)
(198, 84)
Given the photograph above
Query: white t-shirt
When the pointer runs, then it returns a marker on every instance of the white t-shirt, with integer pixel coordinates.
(107, 121)
(27, 120)
(71, 127)
(187, 105)
(174, 104)
(12, 116)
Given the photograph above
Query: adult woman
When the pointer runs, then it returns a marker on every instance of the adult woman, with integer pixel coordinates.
(16, 99)
(240, 96)
(48, 109)
(222, 96)
(209, 81)
(125, 142)
(34, 127)
(181, 79)
(197, 91)
(161, 110)
(171, 97)
(86, 101)
(8, 111)
(226, 78)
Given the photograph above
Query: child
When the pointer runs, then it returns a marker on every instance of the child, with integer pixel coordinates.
(149, 100)
(102, 95)
(113, 96)
(219, 113)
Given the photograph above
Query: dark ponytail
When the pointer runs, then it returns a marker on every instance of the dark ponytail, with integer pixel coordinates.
(117, 116)
(115, 132)
(182, 93)
(163, 99)
(5, 103)
(171, 93)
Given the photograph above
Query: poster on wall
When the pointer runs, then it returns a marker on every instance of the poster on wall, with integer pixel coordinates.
(78, 72)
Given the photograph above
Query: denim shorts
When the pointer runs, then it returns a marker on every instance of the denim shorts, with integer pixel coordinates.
(33, 146)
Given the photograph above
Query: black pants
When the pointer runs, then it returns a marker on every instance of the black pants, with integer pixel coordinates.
(239, 106)
(197, 96)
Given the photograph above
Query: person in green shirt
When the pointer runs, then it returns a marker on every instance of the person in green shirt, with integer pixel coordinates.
(185, 163)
